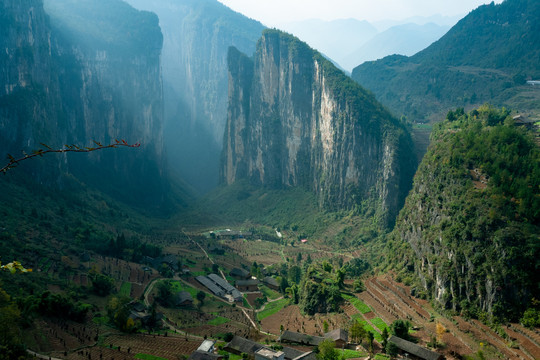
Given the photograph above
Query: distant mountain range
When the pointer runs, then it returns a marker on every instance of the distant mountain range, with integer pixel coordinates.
(350, 42)
(407, 39)
(485, 57)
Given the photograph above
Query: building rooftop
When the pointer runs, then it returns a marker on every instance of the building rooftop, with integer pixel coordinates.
(414, 349)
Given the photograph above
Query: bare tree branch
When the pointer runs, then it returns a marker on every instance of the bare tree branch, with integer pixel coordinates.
(13, 162)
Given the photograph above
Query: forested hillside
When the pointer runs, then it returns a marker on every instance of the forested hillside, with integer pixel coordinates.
(468, 234)
(486, 57)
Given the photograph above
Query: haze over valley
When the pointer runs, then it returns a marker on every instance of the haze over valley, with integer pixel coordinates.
(212, 179)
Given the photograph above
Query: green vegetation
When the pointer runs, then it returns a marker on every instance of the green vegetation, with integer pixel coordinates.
(269, 293)
(379, 323)
(319, 290)
(272, 308)
(327, 350)
(357, 303)
(11, 346)
(102, 285)
(351, 354)
(219, 320)
(477, 189)
(148, 357)
(400, 328)
(283, 209)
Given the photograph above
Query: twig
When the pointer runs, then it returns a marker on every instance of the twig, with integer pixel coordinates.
(13, 162)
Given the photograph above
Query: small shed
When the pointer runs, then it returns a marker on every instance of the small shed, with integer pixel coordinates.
(207, 346)
(183, 298)
(269, 354)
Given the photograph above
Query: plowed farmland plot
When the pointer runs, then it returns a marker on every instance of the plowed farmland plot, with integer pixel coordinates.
(292, 320)
(59, 335)
(390, 300)
(168, 347)
(526, 344)
(260, 251)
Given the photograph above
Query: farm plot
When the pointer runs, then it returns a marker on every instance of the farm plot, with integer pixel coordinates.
(357, 303)
(291, 319)
(168, 347)
(60, 335)
(527, 344)
(214, 331)
(260, 251)
(271, 308)
(251, 297)
(390, 300)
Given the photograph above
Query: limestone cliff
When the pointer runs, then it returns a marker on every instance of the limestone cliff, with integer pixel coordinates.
(73, 73)
(197, 35)
(296, 120)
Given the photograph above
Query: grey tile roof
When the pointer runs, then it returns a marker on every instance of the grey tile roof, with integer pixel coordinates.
(210, 285)
(414, 349)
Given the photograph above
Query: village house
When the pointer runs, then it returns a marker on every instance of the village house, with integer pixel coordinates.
(414, 351)
(299, 338)
(271, 283)
(241, 274)
(220, 287)
(339, 336)
(248, 285)
(239, 345)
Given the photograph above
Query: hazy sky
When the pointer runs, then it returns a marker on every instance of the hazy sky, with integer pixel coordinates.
(273, 12)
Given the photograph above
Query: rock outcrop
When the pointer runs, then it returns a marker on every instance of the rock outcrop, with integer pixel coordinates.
(296, 120)
(467, 236)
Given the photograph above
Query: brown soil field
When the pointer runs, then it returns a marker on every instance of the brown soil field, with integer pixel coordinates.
(291, 319)
(251, 297)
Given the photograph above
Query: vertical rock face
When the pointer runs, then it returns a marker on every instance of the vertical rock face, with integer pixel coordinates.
(29, 90)
(73, 73)
(197, 35)
(295, 120)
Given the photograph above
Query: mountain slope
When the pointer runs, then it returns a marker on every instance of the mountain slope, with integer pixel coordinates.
(487, 56)
(296, 120)
(468, 233)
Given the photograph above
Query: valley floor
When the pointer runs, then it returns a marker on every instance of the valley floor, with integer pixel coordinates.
(383, 302)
